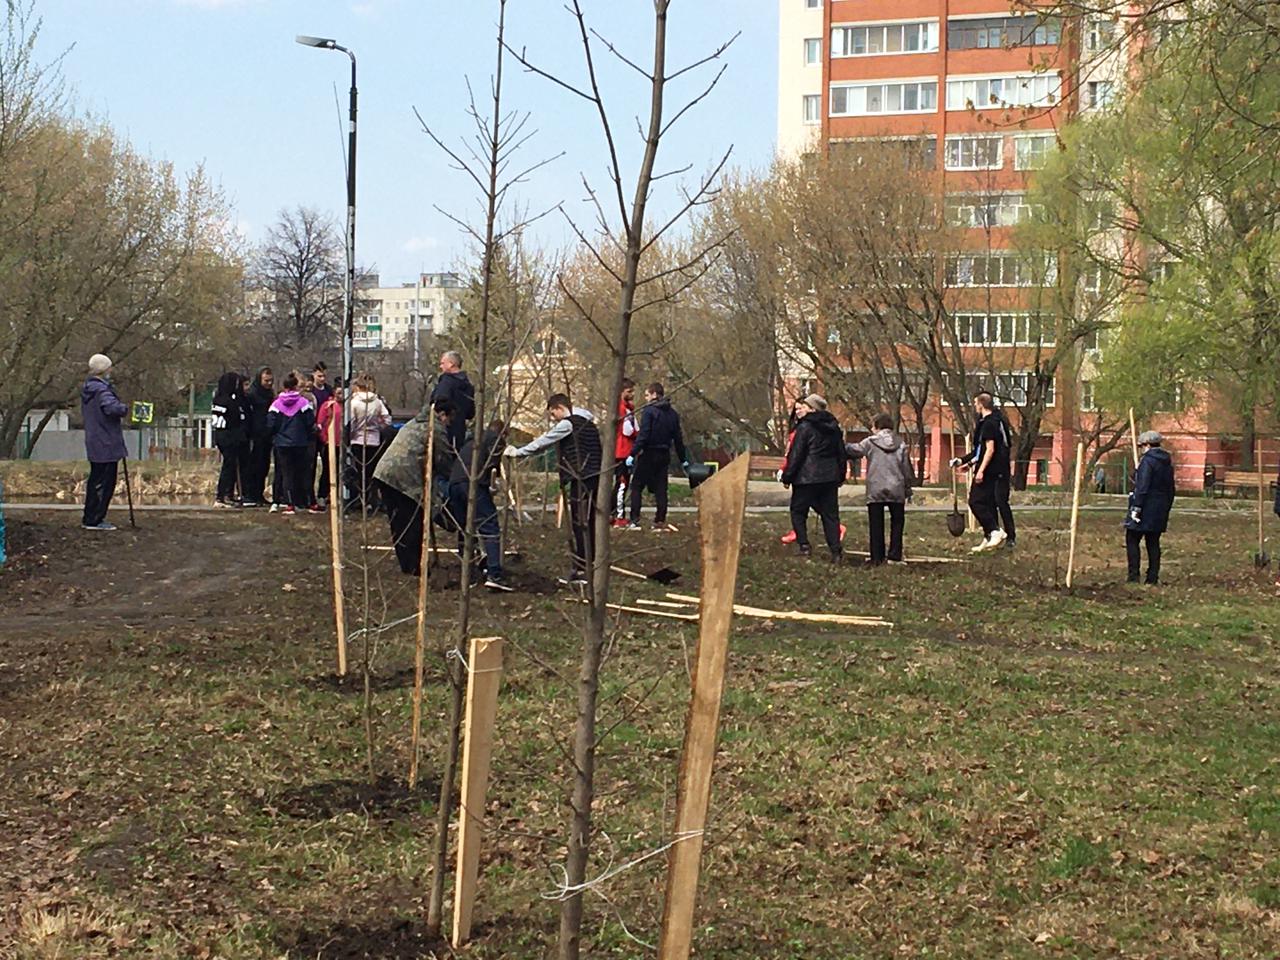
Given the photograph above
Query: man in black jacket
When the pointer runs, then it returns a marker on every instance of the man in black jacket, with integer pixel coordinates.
(989, 459)
(816, 468)
(577, 441)
(455, 389)
(259, 399)
(650, 459)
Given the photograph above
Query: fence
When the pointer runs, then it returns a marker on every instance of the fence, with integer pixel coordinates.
(176, 439)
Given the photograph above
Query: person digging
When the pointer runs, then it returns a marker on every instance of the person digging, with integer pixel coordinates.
(989, 460)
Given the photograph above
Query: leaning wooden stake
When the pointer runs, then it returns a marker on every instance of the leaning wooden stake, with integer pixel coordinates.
(1075, 512)
(560, 510)
(1133, 437)
(335, 544)
(1261, 526)
(483, 676)
(420, 641)
(722, 504)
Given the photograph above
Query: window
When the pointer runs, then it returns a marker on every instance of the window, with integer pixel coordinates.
(1003, 330)
(1098, 93)
(813, 4)
(985, 93)
(812, 108)
(911, 153)
(884, 38)
(1099, 35)
(858, 100)
(812, 52)
(1015, 388)
(1087, 401)
(995, 32)
(1029, 153)
(989, 210)
(1000, 270)
(974, 153)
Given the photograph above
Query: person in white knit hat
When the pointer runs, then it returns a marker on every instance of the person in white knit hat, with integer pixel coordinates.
(104, 447)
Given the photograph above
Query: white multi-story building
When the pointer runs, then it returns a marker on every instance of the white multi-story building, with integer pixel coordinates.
(800, 67)
(390, 315)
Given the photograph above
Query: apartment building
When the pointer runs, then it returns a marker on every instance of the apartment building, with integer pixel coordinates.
(387, 316)
(976, 92)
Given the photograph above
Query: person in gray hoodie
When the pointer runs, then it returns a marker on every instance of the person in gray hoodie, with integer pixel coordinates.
(889, 481)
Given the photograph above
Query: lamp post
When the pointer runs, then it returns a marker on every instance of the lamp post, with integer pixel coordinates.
(348, 320)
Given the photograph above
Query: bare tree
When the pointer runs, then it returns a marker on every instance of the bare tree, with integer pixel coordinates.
(298, 276)
(625, 232)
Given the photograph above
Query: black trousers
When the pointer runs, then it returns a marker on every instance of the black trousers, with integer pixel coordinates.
(875, 523)
(98, 491)
(255, 479)
(621, 488)
(279, 492)
(364, 491)
(404, 514)
(235, 470)
(310, 473)
(292, 464)
(1133, 547)
(984, 504)
(1006, 512)
(650, 474)
(581, 497)
(824, 499)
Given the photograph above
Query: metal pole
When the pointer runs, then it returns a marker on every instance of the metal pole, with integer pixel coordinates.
(348, 332)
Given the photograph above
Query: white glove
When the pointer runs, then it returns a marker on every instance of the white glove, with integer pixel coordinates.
(511, 451)
(955, 462)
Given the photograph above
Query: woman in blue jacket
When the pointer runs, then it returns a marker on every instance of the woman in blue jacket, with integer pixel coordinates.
(1149, 506)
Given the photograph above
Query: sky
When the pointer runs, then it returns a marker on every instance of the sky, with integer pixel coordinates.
(222, 83)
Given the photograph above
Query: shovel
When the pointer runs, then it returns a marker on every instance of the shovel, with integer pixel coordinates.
(955, 519)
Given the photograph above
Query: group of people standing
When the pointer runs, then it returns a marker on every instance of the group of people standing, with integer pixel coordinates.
(285, 436)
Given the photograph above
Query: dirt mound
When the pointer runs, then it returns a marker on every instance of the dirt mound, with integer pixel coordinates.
(398, 939)
(387, 799)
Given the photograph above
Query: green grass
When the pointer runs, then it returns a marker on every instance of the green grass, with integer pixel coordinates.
(1013, 771)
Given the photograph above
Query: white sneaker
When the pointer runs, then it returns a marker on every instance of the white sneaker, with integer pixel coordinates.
(998, 537)
(275, 508)
(980, 547)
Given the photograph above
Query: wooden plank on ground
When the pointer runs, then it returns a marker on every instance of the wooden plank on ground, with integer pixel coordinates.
(846, 619)
(484, 673)
(722, 503)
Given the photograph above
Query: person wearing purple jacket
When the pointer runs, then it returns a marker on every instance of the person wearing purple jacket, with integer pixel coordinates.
(104, 447)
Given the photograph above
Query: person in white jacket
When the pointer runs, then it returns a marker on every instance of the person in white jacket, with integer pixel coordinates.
(369, 417)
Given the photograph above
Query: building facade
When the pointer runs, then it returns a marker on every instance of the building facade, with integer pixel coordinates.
(386, 318)
(976, 93)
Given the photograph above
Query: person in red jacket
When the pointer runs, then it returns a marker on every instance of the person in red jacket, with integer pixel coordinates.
(329, 427)
(623, 443)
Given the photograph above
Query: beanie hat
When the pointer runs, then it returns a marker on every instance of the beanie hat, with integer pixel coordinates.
(815, 402)
(99, 364)
(1150, 438)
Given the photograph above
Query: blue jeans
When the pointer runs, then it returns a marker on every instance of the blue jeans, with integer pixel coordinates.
(487, 527)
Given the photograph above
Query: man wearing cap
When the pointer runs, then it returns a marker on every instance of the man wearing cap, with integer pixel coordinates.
(104, 447)
(1149, 506)
(816, 467)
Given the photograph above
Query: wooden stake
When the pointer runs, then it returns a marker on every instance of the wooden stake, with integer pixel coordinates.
(484, 673)
(722, 505)
(972, 522)
(1133, 437)
(560, 510)
(1261, 525)
(335, 546)
(420, 639)
(765, 614)
(1075, 512)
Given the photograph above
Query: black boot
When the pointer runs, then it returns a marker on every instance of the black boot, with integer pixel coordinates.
(804, 550)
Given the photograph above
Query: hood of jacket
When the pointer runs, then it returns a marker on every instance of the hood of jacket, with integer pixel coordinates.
(258, 391)
(886, 440)
(290, 403)
(1158, 453)
(825, 423)
(228, 387)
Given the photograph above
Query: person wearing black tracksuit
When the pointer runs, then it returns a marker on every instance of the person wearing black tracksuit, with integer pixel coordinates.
(1150, 503)
(577, 440)
(231, 436)
(455, 391)
(259, 398)
(816, 468)
(650, 459)
(989, 460)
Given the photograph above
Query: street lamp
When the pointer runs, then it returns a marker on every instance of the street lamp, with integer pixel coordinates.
(348, 320)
